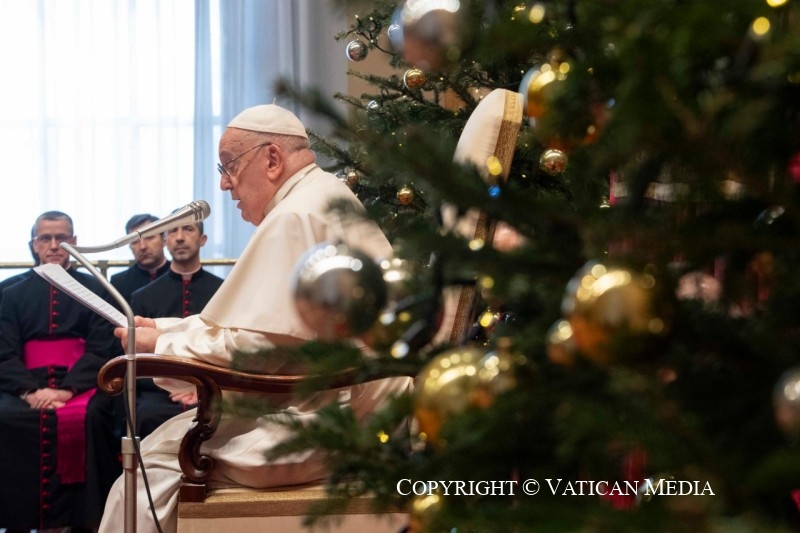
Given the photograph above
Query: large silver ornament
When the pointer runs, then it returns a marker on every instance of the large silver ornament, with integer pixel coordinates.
(338, 291)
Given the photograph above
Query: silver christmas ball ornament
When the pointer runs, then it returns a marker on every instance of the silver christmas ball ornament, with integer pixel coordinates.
(338, 291)
(356, 50)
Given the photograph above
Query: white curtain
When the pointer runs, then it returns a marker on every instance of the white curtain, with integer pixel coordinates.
(115, 107)
(96, 114)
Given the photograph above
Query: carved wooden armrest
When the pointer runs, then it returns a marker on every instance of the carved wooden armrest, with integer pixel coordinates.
(210, 381)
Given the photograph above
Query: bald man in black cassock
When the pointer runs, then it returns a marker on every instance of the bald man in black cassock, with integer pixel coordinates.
(51, 348)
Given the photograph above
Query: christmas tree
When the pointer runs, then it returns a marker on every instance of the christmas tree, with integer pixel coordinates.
(631, 341)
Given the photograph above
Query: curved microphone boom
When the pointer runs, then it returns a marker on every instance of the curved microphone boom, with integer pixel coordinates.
(191, 213)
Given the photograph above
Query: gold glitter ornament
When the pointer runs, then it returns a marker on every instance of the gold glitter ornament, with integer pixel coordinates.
(414, 78)
(423, 508)
(602, 303)
(405, 195)
(447, 386)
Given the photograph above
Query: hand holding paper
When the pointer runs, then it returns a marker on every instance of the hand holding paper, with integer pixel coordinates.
(146, 335)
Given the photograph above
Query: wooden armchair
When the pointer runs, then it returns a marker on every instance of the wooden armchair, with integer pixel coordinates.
(201, 509)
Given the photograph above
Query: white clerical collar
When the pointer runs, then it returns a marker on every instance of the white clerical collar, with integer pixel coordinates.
(185, 275)
(288, 185)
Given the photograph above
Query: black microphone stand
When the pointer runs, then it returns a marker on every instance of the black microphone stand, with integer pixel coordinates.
(130, 441)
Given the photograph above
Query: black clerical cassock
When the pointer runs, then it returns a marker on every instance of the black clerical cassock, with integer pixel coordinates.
(47, 339)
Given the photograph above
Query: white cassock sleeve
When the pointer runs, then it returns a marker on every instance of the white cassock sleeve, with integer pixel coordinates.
(198, 339)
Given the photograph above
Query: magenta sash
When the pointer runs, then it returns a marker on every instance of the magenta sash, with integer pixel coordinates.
(56, 352)
(71, 419)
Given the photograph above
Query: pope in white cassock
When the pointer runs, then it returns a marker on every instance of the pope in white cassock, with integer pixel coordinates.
(268, 167)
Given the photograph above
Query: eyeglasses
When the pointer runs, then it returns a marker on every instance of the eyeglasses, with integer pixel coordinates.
(224, 171)
(47, 239)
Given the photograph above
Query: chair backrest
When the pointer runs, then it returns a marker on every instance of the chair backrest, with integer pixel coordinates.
(488, 138)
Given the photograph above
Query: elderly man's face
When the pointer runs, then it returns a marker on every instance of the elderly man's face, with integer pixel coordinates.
(243, 160)
(47, 241)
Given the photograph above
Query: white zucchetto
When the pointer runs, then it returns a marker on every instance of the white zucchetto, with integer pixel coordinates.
(269, 118)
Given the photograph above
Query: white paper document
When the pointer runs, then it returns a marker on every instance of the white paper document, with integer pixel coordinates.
(56, 275)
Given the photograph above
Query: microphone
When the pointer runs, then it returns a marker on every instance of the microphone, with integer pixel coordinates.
(188, 214)
(191, 213)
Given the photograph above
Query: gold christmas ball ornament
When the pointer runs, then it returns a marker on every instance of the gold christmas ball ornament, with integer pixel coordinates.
(349, 177)
(414, 78)
(405, 195)
(352, 178)
(356, 50)
(539, 84)
(602, 303)
(447, 386)
(338, 291)
(786, 400)
(422, 510)
(434, 33)
(553, 162)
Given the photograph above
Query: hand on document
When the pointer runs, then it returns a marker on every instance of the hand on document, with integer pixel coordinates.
(146, 335)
